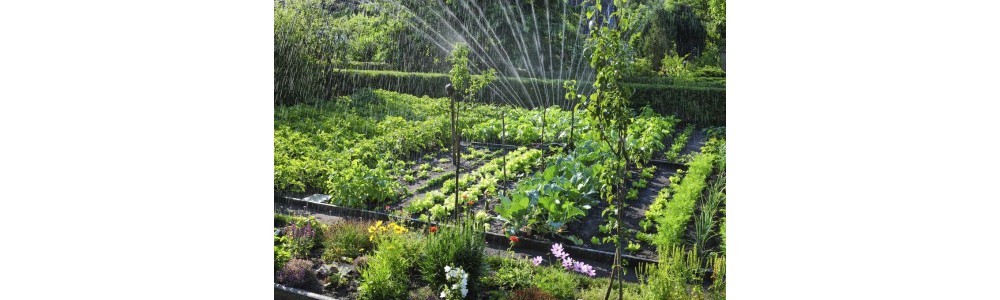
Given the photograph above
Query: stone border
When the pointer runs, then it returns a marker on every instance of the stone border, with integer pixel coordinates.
(282, 292)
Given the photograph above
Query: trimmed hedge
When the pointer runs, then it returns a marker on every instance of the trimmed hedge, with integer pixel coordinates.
(704, 106)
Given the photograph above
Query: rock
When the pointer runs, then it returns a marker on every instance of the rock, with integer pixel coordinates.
(323, 271)
(318, 198)
(346, 270)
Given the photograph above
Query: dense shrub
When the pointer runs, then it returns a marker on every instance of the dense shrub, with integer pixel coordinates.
(281, 253)
(657, 36)
(691, 34)
(297, 74)
(460, 246)
(386, 276)
(296, 273)
(702, 105)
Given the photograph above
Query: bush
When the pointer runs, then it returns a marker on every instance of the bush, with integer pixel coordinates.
(296, 273)
(297, 74)
(460, 246)
(557, 282)
(281, 254)
(386, 276)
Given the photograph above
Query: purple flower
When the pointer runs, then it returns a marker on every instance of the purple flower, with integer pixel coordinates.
(537, 260)
(584, 268)
(296, 273)
(557, 250)
(567, 263)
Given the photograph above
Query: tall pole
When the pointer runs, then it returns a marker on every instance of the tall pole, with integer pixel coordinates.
(572, 122)
(503, 142)
(455, 154)
(542, 139)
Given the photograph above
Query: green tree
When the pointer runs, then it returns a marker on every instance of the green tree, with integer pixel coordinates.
(609, 109)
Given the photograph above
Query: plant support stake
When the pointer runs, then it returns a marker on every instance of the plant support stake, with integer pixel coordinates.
(503, 141)
(456, 155)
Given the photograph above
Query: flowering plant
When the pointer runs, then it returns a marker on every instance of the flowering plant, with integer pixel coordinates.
(378, 229)
(457, 286)
(567, 262)
(296, 273)
(301, 239)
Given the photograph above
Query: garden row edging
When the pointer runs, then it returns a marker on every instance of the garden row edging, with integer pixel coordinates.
(490, 237)
(282, 292)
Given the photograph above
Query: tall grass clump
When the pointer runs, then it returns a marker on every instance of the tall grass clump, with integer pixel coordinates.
(669, 278)
(347, 239)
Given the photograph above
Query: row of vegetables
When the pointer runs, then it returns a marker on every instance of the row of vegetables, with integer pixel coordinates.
(359, 149)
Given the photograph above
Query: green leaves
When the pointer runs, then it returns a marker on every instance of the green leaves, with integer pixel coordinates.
(461, 79)
(516, 211)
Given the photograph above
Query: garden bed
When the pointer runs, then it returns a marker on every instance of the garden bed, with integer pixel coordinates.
(494, 240)
(341, 278)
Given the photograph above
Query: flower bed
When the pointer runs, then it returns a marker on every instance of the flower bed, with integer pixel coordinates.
(402, 262)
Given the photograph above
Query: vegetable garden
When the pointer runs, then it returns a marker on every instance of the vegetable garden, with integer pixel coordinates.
(383, 194)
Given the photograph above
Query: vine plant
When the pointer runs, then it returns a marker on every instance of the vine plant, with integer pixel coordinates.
(609, 109)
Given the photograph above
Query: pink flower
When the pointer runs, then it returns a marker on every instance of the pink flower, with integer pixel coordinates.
(557, 250)
(536, 261)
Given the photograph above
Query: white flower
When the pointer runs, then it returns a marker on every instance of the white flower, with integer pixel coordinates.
(444, 294)
(447, 268)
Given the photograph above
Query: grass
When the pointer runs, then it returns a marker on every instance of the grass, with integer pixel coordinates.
(347, 239)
